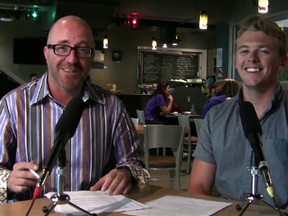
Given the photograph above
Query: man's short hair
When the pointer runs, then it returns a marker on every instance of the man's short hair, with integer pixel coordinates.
(258, 23)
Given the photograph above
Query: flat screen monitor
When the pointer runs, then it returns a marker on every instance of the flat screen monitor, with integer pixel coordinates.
(29, 50)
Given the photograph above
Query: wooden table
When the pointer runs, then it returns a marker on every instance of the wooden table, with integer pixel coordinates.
(142, 194)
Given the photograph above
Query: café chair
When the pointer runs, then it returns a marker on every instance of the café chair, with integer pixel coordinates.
(189, 140)
(164, 136)
(140, 116)
(198, 123)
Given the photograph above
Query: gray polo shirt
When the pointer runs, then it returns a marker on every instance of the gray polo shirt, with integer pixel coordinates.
(222, 142)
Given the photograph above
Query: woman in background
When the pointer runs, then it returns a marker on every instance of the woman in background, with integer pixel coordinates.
(160, 103)
(225, 90)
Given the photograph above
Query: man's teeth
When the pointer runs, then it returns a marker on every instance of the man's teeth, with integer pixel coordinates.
(252, 69)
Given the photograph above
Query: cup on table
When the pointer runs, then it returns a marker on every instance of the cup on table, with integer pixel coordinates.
(135, 121)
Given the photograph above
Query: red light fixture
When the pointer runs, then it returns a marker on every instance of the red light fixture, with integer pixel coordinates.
(134, 22)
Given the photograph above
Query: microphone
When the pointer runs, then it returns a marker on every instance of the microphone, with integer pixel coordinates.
(64, 130)
(253, 131)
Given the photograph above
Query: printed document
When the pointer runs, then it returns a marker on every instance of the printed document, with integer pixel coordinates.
(171, 205)
(96, 202)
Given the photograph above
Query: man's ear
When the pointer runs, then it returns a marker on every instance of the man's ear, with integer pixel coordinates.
(45, 52)
(284, 63)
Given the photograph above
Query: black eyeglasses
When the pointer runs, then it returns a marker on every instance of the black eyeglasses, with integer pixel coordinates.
(65, 50)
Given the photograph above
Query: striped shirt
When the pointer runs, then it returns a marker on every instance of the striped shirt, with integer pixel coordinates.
(104, 139)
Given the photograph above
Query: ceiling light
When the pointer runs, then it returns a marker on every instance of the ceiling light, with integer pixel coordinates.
(6, 19)
(33, 13)
(154, 44)
(203, 20)
(263, 6)
(175, 42)
(105, 42)
(168, 36)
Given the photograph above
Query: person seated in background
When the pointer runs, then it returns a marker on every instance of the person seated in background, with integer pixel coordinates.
(227, 89)
(211, 85)
(160, 103)
(34, 77)
(223, 152)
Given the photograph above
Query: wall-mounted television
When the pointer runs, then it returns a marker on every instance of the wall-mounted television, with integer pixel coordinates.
(29, 50)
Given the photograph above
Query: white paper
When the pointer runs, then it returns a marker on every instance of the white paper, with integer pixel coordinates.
(96, 202)
(184, 206)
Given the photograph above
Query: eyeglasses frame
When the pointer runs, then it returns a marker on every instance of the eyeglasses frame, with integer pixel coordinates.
(52, 46)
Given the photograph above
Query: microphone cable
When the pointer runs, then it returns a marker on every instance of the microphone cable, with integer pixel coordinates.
(36, 195)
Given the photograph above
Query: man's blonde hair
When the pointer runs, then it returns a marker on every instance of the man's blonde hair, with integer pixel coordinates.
(258, 23)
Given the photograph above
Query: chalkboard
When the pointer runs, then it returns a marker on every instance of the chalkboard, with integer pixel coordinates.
(156, 66)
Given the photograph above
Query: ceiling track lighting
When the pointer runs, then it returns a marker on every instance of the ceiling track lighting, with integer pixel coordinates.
(203, 20)
(105, 42)
(263, 6)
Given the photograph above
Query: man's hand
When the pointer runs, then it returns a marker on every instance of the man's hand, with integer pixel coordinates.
(20, 179)
(117, 181)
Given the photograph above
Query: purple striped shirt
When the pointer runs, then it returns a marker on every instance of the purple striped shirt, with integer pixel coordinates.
(105, 137)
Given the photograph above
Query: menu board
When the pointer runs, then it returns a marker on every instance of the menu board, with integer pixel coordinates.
(156, 66)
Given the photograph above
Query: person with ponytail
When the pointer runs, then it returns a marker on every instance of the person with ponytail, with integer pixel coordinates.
(160, 103)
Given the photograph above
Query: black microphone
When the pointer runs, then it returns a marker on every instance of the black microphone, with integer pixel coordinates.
(253, 131)
(64, 130)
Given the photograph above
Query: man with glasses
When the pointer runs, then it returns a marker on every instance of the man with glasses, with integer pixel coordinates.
(103, 153)
(65, 50)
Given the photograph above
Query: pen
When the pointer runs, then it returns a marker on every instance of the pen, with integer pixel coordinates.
(34, 173)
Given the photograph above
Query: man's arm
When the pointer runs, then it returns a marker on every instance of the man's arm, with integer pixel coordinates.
(202, 177)
(167, 109)
(129, 167)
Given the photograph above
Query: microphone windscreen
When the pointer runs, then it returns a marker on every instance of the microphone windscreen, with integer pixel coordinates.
(249, 119)
(70, 118)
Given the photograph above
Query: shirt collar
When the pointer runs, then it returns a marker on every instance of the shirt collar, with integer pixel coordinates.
(276, 100)
(41, 92)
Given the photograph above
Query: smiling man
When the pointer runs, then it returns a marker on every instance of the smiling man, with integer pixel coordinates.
(223, 153)
(103, 153)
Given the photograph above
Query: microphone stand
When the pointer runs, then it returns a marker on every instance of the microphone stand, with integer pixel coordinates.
(60, 198)
(254, 196)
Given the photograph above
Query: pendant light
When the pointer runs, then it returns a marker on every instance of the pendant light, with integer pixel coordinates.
(203, 20)
(154, 44)
(263, 6)
(105, 42)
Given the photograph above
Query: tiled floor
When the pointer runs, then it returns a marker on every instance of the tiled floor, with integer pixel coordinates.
(161, 178)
